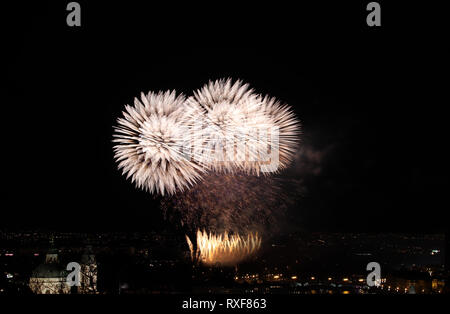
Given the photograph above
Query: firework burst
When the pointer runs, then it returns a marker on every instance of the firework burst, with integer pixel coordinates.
(150, 141)
(240, 127)
(288, 127)
(231, 115)
(223, 249)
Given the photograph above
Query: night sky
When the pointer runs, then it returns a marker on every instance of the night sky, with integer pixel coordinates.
(374, 145)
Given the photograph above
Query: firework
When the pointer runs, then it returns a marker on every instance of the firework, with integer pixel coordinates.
(288, 128)
(232, 116)
(223, 249)
(165, 143)
(240, 127)
(151, 138)
(235, 202)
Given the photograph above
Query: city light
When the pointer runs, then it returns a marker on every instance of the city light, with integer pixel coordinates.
(275, 278)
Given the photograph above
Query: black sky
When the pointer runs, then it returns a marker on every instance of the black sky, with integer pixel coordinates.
(369, 101)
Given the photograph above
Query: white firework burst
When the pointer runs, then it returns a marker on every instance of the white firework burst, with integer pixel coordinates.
(232, 114)
(151, 140)
(239, 127)
(288, 126)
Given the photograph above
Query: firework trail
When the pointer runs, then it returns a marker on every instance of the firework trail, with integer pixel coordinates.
(150, 140)
(223, 249)
(235, 202)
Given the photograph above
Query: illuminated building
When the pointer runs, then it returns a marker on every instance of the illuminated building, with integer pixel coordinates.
(50, 277)
(88, 273)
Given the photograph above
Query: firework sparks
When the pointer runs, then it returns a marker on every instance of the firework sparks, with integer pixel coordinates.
(235, 202)
(288, 128)
(230, 113)
(223, 249)
(150, 140)
(240, 127)
(166, 143)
